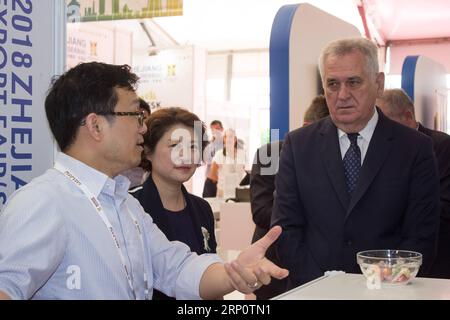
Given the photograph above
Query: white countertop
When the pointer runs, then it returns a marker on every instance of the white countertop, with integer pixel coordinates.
(347, 286)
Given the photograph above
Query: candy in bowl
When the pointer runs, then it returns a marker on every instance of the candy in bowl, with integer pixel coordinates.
(388, 267)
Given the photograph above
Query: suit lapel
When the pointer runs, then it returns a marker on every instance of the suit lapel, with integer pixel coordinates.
(157, 212)
(195, 212)
(377, 152)
(332, 160)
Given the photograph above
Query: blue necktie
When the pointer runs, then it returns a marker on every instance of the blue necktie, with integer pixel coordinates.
(352, 162)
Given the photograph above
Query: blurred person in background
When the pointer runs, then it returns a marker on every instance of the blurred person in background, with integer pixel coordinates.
(317, 110)
(262, 187)
(228, 166)
(397, 105)
(216, 143)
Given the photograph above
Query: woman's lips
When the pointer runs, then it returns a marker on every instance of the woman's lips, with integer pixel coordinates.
(183, 167)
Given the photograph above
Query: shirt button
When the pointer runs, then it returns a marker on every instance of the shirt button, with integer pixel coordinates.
(349, 243)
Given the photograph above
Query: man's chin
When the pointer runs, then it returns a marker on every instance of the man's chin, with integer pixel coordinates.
(346, 117)
(136, 163)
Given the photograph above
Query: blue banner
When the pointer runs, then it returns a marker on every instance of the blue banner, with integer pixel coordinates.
(27, 63)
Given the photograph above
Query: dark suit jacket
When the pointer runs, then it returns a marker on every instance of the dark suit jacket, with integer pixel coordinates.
(262, 186)
(199, 210)
(441, 146)
(395, 204)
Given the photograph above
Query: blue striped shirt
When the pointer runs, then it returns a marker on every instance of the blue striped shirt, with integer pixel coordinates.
(54, 245)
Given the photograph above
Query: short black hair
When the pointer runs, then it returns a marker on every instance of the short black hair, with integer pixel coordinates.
(144, 105)
(214, 122)
(86, 88)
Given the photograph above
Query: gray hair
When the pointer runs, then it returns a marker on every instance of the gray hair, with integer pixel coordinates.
(397, 101)
(345, 46)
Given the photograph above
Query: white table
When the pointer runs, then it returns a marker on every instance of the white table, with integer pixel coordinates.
(347, 286)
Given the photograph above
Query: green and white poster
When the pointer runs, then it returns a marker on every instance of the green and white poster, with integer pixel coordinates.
(103, 10)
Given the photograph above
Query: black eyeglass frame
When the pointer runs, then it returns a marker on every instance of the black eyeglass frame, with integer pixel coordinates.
(139, 114)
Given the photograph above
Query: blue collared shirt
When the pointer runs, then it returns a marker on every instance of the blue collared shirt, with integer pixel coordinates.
(54, 245)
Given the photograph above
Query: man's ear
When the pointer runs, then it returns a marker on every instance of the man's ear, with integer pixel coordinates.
(408, 115)
(94, 126)
(380, 82)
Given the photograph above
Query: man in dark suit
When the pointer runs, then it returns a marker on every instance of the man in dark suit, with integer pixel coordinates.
(396, 104)
(355, 180)
(262, 186)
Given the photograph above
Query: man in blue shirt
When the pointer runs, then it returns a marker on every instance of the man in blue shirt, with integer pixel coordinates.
(75, 232)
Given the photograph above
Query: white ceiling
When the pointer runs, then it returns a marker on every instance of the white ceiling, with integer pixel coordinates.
(410, 19)
(225, 24)
(246, 24)
(239, 24)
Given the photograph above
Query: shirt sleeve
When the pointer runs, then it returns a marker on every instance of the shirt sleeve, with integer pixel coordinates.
(176, 270)
(32, 242)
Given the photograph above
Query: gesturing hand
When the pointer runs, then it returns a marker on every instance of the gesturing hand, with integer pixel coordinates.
(252, 269)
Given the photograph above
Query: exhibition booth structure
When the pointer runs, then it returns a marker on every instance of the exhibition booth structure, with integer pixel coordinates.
(260, 92)
(41, 41)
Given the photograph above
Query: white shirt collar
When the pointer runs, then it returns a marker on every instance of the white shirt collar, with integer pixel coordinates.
(95, 180)
(368, 130)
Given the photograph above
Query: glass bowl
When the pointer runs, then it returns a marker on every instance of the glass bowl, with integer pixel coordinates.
(389, 267)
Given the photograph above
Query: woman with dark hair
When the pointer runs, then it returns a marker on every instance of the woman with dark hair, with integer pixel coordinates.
(173, 144)
(228, 166)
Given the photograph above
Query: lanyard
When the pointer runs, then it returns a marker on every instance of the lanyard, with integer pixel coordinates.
(99, 209)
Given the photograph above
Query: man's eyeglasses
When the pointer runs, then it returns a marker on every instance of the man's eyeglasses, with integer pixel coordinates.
(139, 114)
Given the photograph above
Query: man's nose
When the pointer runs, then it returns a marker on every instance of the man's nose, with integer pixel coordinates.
(143, 128)
(343, 92)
